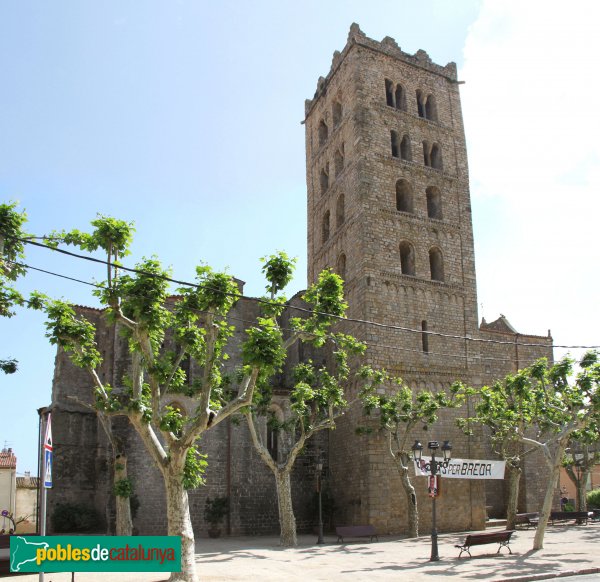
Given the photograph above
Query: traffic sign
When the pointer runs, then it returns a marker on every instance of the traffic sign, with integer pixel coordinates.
(48, 454)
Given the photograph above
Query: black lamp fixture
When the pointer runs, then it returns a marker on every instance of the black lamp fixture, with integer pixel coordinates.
(433, 466)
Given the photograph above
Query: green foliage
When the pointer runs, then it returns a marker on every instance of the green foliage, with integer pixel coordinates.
(172, 421)
(195, 468)
(264, 346)
(399, 408)
(112, 235)
(278, 270)
(593, 499)
(123, 488)
(12, 247)
(216, 509)
(75, 518)
(8, 366)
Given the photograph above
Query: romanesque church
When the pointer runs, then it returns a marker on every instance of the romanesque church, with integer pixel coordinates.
(389, 209)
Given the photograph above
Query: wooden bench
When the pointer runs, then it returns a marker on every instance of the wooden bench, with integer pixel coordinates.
(355, 531)
(493, 537)
(578, 516)
(527, 519)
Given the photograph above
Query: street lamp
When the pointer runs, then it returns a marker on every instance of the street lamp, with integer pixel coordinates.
(319, 466)
(433, 466)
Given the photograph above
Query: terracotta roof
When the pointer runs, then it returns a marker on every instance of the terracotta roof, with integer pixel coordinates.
(8, 460)
(28, 482)
(501, 324)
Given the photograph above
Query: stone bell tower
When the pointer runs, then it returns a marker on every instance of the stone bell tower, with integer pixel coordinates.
(389, 210)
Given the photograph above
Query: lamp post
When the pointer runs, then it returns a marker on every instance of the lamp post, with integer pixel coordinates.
(433, 466)
(319, 467)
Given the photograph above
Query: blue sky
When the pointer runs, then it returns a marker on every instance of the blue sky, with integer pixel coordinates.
(185, 118)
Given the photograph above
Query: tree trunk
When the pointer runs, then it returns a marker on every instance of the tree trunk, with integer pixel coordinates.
(411, 497)
(538, 541)
(287, 521)
(514, 478)
(179, 522)
(123, 505)
(581, 488)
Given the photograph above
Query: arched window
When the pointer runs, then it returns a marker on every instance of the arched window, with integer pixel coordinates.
(404, 196)
(436, 264)
(400, 97)
(338, 160)
(431, 108)
(436, 157)
(337, 113)
(325, 227)
(424, 337)
(394, 140)
(420, 103)
(323, 132)
(426, 154)
(434, 202)
(405, 152)
(407, 258)
(341, 266)
(340, 211)
(389, 93)
(324, 178)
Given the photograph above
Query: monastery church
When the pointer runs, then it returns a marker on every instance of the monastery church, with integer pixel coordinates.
(389, 209)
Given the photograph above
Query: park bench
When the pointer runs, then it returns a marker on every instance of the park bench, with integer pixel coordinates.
(493, 537)
(579, 517)
(355, 531)
(527, 519)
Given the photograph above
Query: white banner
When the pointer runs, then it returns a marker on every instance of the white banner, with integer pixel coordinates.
(465, 469)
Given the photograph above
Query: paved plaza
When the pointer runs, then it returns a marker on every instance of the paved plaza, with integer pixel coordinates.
(568, 549)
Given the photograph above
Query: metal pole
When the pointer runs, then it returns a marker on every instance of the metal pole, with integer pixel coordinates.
(434, 545)
(43, 494)
(320, 540)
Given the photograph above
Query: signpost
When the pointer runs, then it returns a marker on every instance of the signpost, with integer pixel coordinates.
(46, 477)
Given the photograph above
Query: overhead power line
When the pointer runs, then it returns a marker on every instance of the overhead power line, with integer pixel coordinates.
(294, 307)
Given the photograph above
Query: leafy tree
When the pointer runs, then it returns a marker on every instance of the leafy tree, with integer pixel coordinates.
(317, 397)
(11, 253)
(139, 304)
(544, 406)
(507, 409)
(401, 411)
(580, 458)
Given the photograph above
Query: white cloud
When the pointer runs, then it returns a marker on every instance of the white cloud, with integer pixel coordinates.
(532, 118)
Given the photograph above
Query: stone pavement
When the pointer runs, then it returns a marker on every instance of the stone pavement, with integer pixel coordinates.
(567, 550)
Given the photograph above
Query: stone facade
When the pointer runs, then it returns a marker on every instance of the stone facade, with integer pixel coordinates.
(388, 209)
(393, 218)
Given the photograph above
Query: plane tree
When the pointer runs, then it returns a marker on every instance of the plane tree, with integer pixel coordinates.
(400, 411)
(542, 407)
(317, 396)
(12, 252)
(581, 456)
(149, 318)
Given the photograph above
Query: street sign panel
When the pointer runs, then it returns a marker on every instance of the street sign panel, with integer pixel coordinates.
(48, 454)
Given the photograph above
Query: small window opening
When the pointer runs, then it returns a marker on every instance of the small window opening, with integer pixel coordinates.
(431, 108)
(426, 154)
(436, 157)
(324, 179)
(341, 266)
(340, 211)
(436, 264)
(337, 113)
(394, 140)
(405, 152)
(389, 93)
(400, 98)
(424, 337)
(404, 196)
(407, 258)
(434, 203)
(325, 227)
(420, 103)
(323, 132)
(339, 161)
(273, 437)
